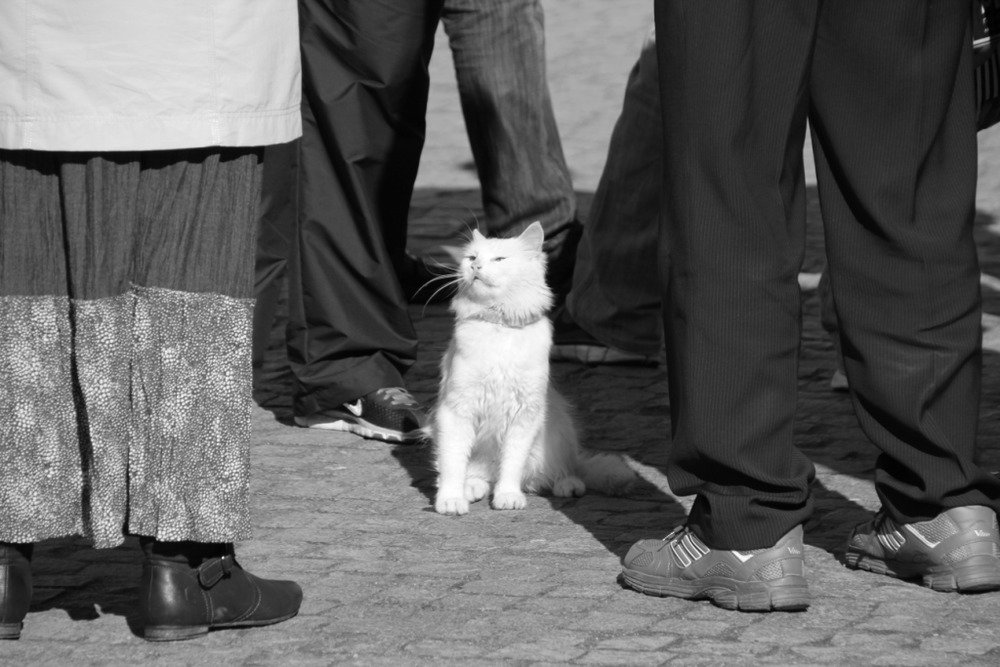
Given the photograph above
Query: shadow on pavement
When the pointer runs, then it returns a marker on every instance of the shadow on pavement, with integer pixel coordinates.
(87, 583)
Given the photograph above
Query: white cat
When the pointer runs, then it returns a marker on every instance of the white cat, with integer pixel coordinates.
(497, 418)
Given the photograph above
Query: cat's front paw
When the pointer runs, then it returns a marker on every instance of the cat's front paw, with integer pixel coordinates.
(476, 488)
(509, 500)
(454, 505)
(567, 487)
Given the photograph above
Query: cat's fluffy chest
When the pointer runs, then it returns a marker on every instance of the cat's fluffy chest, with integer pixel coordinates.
(497, 357)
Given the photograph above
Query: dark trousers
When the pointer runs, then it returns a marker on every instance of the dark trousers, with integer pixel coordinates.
(275, 231)
(365, 87)
(886, 86)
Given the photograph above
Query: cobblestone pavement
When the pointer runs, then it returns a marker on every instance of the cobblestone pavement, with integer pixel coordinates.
(389, 582)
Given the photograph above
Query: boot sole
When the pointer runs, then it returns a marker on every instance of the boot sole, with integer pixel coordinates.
(786, 594)
(10, 630)
(167, 633)
(979, 574)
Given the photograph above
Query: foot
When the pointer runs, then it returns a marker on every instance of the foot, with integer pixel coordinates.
(681, 565)
(569, 487)
(572, 343)
(959, 550)
(15, 588)
(451, 505)
(476, 488)
(184, 595)
(389, 414)
(509, 500)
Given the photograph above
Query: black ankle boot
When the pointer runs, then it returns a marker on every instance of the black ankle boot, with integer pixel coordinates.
(15, 587)
(189, 588)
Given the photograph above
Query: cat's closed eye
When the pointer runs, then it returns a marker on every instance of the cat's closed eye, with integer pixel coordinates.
(499, 259)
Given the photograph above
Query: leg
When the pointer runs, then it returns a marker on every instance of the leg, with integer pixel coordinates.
(478, 474)
(499, 52)
(897, 176)
(193, 282)
(189, 462)
(40, 479)
(40, 452)
(614, 297)
(508, 494)
(15, 593)
(363, 129)
(454, 437)
(275, 229)
(733, 228)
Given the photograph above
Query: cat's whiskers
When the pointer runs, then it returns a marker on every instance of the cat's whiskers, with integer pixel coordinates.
(452, 279)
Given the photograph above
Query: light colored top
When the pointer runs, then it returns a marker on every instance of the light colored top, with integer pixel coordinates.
(126, 75)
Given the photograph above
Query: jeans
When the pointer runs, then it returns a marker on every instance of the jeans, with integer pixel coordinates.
(615, 296)
(499, 51)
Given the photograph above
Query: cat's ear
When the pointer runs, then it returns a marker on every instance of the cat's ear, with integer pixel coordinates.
(533, 236)
(476, 236)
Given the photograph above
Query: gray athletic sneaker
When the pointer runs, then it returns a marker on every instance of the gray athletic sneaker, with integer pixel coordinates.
(681, 565)
(958, 550)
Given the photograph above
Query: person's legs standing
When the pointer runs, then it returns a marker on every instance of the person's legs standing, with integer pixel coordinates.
(499, 51)
(732, 227)
(894, 131)
(365, 87)
(615, 298)
(131, 368)
(189, 460)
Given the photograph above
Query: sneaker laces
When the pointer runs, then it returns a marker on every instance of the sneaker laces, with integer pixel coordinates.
(888, 532)
(397, 396)
(687, 547)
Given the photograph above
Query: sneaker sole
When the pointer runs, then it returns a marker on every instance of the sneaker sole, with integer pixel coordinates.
(786, 594)
(364, 429)
(978, 574)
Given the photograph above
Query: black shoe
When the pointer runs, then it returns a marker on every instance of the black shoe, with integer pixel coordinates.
(423, 283)
(561, 250)
(571, 343)
(15, 588)
(189, 588)
(390, 414)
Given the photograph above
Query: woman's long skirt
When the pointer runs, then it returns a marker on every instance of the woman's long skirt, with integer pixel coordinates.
(125, 320)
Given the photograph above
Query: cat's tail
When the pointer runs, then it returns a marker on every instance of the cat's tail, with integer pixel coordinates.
(606, 473)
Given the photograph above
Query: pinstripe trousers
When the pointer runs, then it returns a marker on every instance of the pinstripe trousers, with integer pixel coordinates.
(886, 87)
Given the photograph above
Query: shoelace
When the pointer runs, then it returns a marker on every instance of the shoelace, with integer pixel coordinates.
(888, 533)
(687, 547)
(397, 396)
